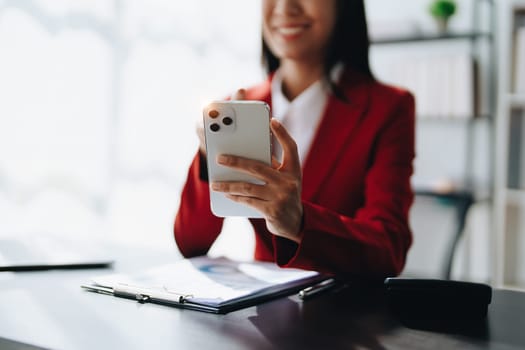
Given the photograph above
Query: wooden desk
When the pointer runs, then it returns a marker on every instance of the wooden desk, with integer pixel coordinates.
(48, 309)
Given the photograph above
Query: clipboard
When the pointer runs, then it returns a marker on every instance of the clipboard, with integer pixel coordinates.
(215, 285)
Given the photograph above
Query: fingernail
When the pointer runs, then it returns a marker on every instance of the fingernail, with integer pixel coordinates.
(222, 159)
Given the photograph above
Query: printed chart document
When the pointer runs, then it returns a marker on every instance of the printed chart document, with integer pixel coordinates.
(217, 285)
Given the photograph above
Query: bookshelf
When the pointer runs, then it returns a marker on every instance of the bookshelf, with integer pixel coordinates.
(460, 100)
(509, 191)
(479, 41)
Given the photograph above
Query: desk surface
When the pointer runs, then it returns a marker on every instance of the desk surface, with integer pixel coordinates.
(49, 309)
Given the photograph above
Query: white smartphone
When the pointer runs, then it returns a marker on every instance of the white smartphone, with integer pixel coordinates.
(240, 128)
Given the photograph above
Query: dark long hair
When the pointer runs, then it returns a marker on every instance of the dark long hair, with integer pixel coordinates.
(349, 43)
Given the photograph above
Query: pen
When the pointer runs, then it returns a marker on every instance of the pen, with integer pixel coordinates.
(66, 266)
(320, 287)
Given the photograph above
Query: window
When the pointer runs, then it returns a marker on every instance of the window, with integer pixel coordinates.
(99, 101)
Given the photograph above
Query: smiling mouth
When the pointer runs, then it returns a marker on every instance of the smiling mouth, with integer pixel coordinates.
(290, 30)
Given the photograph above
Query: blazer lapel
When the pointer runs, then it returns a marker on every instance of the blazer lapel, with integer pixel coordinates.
(337, 126)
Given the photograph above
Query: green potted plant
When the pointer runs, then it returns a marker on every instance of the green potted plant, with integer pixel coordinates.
(442, 10)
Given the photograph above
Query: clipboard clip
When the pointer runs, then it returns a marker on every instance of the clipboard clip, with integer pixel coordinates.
(140, 294)
(145, 294)
(182, 297)
(142, 298)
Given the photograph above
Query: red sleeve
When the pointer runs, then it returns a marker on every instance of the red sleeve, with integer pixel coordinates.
(196, 228)
(375, 241)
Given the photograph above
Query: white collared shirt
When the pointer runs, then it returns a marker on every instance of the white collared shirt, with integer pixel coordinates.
(302, 115)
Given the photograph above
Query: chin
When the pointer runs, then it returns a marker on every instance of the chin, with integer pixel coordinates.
(290, 54)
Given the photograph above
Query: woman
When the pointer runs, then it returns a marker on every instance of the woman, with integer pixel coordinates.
(338, 200)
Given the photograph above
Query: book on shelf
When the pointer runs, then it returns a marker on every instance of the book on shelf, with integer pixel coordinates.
(516, 150)
(519, 76)
(444, 86)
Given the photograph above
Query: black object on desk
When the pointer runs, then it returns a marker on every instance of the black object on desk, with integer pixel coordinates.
(437, 299)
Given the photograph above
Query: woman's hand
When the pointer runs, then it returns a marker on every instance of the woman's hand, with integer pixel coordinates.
(238, 95)
(279, 199)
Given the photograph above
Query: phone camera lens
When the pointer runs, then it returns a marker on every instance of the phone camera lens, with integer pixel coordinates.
(213, 113)
(227, 121)
(215, 127)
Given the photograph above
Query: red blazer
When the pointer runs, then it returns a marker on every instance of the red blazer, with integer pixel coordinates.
(356, 188)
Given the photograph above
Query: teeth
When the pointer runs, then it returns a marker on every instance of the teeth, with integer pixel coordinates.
(291, 30)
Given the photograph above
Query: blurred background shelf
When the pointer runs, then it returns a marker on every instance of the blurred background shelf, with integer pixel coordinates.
(509, 193)
(516, 100)
(452, 78)
(429, 37)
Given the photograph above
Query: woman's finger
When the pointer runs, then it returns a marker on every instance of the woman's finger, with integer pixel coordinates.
(239, 95)
(275, 163)
(245, 189)
(252, 167)
(290, 154)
